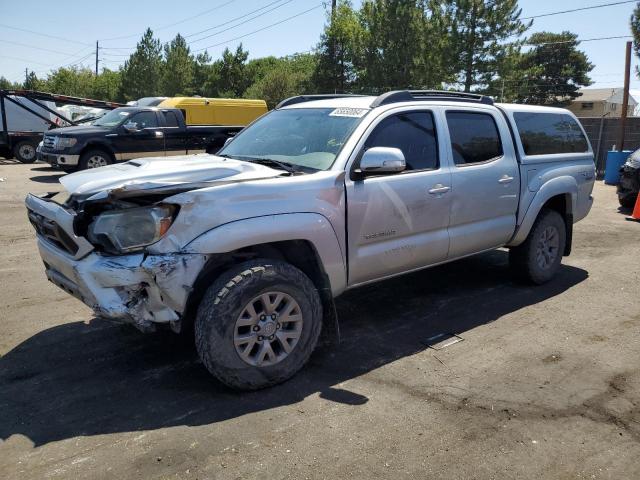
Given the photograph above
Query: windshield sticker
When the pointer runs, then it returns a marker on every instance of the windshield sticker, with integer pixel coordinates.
(348, 112)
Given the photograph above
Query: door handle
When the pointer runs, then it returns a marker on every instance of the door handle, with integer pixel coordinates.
(505, 179)
(159, 134)
(439, 188)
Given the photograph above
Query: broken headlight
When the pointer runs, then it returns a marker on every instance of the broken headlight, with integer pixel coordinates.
(131, 229)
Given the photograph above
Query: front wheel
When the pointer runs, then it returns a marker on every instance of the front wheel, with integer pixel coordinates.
(94, 159)
(25, 152)
(538, 259)
(257, 324)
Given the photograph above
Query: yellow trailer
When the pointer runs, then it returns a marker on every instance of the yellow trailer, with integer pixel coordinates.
(216, 111)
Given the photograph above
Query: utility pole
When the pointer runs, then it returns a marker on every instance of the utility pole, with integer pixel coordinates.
(97, 57)
(26, 76)
(625, 96)
(333, 9)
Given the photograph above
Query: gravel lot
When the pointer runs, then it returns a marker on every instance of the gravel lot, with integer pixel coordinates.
(545, 384)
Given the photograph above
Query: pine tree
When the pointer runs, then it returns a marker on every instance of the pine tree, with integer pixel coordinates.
(338, 50)
(480, 31)
(177, 77)
(392, 44)
(142, 72)
(553, 71)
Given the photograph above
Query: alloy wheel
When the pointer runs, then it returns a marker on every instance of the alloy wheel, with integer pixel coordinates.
(268, 329)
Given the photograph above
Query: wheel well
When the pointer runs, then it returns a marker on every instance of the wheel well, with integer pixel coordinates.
(299, 253)
(98, 146)
(562, 204)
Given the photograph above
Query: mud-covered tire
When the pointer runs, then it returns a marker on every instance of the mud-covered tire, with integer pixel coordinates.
(224, 302)
(524, 260)
(94, 159)
(25, 152)
(627, 201)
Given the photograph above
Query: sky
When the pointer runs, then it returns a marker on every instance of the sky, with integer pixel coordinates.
(68, 30)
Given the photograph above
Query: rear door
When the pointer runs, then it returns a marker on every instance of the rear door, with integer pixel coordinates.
(485, 181)
(398, 222)
(146, 141)
(174, 134)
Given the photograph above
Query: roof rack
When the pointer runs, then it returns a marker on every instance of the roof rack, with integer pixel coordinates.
(309, 98)
(413, 95)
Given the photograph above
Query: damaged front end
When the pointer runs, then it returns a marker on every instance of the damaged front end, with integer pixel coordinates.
(95, 250)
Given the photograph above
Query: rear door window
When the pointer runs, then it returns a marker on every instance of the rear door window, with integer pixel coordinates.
(548, 133)
(474, 137)
(171, 119)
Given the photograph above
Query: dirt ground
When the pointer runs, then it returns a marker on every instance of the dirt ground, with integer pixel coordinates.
(546, 383)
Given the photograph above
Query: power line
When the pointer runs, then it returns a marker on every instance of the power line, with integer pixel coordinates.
(246, 20)
(578, 9)
(237, 18)
(24, 60)
(238, 24)
(576, 40)
(35, 47)
(172, 24)
(261, 29)
(43, 34)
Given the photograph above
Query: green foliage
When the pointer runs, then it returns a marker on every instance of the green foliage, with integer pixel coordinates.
(285, 77)
(635, 31)
(106, 86)
(551, 72)
(383, 45)
(232, 81)
(32, 82)
(8, 85)
(480, 34)
(73, 81)
(178, 70)
(338, 50)
(392, 44)
(142, 72)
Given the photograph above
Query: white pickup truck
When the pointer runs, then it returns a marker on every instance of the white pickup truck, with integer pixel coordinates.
(321, 195)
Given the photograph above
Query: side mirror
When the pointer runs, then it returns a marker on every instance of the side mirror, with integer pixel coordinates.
(130, 127)
(382, 160)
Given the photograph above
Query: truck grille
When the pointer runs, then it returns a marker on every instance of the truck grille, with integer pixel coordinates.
(52, 232)
(49, 141)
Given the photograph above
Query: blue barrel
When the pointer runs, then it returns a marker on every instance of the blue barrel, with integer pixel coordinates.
(615, 160)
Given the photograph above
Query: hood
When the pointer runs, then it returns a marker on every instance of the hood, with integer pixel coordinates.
(161, 174)
(79, 130)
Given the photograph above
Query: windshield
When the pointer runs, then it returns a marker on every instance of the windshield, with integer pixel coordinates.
(113, 118)
(305, 137)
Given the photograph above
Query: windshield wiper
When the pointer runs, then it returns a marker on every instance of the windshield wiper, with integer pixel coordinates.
(287, 167)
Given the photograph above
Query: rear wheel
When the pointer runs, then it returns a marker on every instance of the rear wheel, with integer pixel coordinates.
(94, 159)
(538, 259)
(25, 152)
(258, 324)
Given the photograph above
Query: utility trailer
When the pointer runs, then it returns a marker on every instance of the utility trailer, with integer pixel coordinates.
(26, 114)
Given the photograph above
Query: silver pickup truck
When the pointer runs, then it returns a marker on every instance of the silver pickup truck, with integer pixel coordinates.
(250, 247)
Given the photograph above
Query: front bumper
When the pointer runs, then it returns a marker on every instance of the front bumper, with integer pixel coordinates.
(137, 288)
(57, 159)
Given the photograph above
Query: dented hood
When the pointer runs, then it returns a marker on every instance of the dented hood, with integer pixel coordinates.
(188, 171)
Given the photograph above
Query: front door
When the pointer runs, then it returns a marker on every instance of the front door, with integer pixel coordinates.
(146, 141)
(398, 222)
(485, 182)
